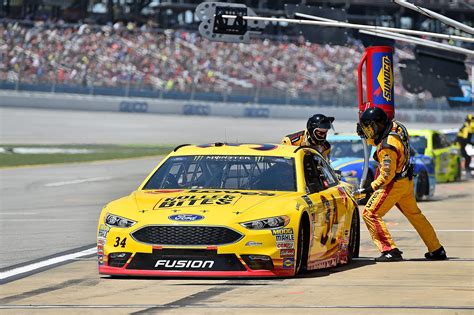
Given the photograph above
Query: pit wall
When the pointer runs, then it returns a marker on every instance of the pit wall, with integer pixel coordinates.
(199, 108)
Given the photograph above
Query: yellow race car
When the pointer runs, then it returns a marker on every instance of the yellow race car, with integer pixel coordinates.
(446, 155)
(231, 210)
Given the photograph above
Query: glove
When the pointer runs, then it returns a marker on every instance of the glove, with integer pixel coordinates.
(359, 131)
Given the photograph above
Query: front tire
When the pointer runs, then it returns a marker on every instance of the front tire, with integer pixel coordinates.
(302, 246)
(354, 237)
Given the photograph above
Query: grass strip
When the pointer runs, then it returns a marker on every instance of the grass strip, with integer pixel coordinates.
(99, 153)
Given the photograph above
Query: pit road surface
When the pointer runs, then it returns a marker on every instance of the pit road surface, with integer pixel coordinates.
(49, 209)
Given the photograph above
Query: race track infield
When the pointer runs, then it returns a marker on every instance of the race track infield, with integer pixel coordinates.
(414, 286)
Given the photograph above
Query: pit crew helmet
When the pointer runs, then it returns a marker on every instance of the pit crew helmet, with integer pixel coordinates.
(375, 124)
(318, 126)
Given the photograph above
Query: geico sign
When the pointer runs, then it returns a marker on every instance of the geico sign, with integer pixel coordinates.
(193, 264)
(133, 107)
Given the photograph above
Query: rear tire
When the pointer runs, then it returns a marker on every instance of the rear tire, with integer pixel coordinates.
(302, 246)
(354, 237)
(422, 186)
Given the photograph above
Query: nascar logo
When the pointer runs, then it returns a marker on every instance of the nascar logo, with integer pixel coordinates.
(385, 78)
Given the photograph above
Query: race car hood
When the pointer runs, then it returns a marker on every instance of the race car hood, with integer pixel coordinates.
(343, 162)
(215, 203)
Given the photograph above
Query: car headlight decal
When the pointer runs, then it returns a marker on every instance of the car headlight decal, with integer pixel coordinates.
(267, 223)
(113, 220)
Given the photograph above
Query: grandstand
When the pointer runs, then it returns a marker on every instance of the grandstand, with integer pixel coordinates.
(130, 58)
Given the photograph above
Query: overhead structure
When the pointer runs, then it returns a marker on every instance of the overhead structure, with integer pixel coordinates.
(437, 16)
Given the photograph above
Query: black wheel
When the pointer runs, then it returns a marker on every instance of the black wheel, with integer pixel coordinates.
(368, 181)
(354, 237)
(422, 186)
(302, 246)
(458, 171)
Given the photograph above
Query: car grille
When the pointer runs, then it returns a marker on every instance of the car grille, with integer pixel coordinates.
(186, 235)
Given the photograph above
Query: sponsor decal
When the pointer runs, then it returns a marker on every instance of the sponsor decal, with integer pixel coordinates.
(297, 206)
(287, 253)
(186, 217)
(258, 112)
(103, 231)
(321, 264)
(285, 245)
(385, 79)
(386, 166)
(164, 191)
(133, 107)
(195, 200)
(288, 263)
(252, 243)
(244, 193)
(100, 249)
(282, 231)
(284, 238)
(100, 259)
(200, 110)
(184, 264)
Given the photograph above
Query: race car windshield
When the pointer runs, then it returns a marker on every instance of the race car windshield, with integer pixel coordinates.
(347, 148)
(225, 171)
(418, 143)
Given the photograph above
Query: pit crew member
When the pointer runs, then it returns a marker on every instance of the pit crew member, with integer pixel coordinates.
(314, 136)
(393, 187)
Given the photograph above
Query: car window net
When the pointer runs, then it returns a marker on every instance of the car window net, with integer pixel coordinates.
(225, 171)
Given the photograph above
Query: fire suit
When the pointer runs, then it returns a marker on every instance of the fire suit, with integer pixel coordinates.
(394, 187)
(465, 137)
(300, 138)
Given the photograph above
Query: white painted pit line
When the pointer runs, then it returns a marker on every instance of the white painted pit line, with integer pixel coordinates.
(45, 263)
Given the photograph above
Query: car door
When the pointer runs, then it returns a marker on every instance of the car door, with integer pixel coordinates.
(328, 211)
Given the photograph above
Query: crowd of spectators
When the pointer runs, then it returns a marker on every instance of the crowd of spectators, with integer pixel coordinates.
(124, 55)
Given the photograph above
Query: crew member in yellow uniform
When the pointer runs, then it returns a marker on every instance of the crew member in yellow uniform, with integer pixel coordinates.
(465, 137)
(314, 136)
(393, 187)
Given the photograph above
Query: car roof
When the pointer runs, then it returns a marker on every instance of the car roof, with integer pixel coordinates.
(421, 132)
(344, 137)
(263, 149)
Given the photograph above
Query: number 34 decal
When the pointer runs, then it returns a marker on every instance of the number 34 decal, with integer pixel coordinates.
(120, 243)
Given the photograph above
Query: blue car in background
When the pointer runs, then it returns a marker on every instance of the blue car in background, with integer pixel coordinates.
(347, 156)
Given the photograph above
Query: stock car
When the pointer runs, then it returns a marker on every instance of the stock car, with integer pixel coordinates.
(347, 156)
(446, 155)
(231, 210)
(451, 136)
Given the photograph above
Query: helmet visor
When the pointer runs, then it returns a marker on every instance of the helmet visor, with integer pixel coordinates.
(368, 130)
(320, 133)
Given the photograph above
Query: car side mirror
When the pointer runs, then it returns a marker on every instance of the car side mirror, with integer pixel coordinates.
(338, 174)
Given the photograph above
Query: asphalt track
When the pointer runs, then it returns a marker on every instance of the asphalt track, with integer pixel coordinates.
(51, 211)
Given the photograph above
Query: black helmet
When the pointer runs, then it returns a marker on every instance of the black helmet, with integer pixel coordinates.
(318, 126)
(375, 124)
